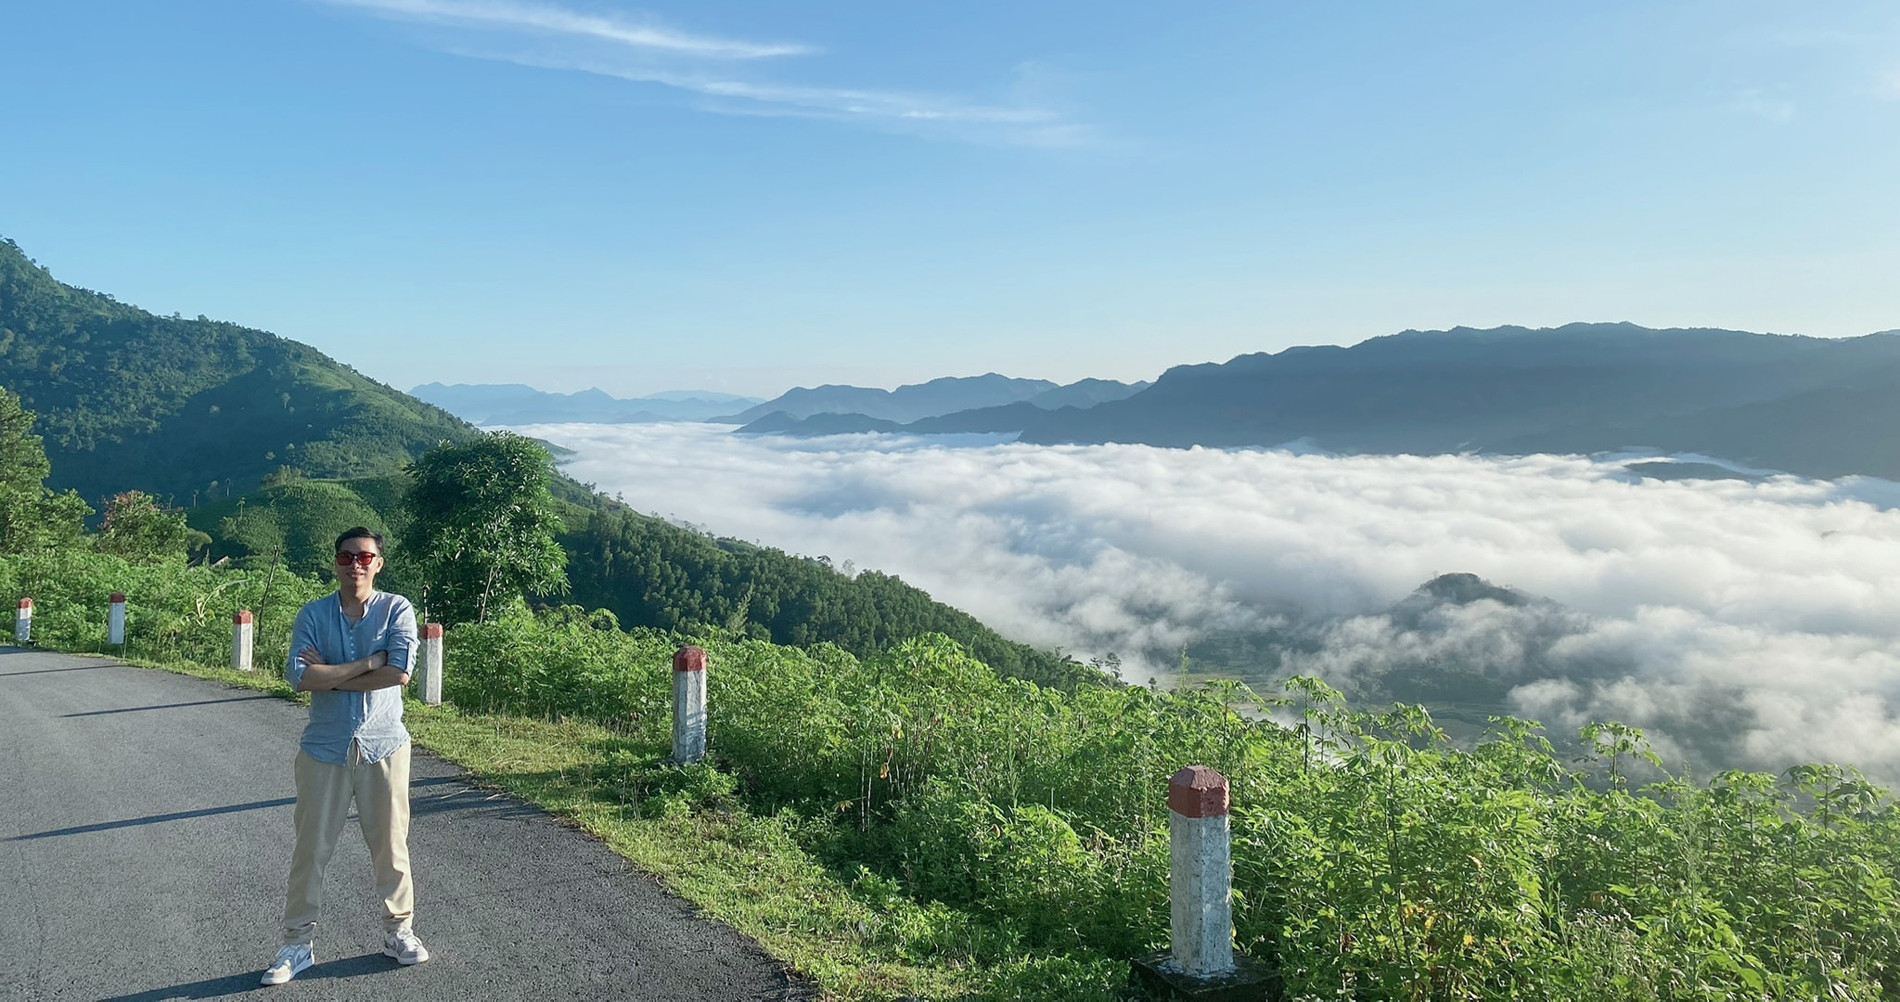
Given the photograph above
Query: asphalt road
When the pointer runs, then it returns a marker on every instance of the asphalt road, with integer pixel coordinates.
(145, 836)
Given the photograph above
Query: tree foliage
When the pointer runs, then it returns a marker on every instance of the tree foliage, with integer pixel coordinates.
(138, 528)
(32, 518)
(482, 526)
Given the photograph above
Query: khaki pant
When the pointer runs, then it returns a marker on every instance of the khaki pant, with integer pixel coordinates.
(324, 792)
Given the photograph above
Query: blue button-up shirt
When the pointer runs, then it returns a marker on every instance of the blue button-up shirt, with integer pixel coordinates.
(337, 717)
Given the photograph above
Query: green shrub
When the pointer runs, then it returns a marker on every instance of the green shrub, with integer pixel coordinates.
(1025, 828)
(173, 612)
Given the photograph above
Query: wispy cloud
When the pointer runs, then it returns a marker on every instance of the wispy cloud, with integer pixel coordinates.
(724, 74)
(541, 18)
(1778, 110)
(1887, 88)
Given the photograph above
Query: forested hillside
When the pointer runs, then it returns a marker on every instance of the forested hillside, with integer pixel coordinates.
(274, 448)
(189, 409)
(649, 572)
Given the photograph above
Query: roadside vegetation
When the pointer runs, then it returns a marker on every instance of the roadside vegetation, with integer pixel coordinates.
(911, 822)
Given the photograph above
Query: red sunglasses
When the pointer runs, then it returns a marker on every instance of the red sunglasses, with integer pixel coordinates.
(345, 558)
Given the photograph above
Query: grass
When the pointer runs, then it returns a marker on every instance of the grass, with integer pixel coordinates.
(746, 871)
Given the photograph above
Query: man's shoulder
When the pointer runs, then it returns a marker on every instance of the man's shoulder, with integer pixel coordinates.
(394, 603)
(392, 599)
(318, 605)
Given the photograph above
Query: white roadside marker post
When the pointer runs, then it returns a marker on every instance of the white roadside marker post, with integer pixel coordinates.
(23, 623)
(1201, 964)
(115, 620)
(689, 705)
(429, 663)
(1200, 872)
(243, 637)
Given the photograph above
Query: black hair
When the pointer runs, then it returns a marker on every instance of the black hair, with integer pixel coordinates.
(360, 532)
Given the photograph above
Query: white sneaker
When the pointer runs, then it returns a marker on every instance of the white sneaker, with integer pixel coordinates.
(405, 947)
(290, 960)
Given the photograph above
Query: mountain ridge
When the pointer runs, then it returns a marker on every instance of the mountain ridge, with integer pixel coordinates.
(938, 397)
(518, 403)
(1511, 390)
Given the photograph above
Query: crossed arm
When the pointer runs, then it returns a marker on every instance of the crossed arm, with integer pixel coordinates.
(361, 675)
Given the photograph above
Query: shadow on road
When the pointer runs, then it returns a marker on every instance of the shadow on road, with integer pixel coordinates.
(237, 984)
(434, 805)
(49, 671)
(162, 706)
(153, 819)
(494, 805)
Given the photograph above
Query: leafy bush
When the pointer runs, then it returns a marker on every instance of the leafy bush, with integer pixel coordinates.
(1023, 831)
(173, 612)
(1372, 859)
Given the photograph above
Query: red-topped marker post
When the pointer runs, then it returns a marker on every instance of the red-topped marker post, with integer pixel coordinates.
(1200, 872)
(23, 623)
(243, 639)
(429, 664)
(115, 620)
(1201, 964)
(689, 705)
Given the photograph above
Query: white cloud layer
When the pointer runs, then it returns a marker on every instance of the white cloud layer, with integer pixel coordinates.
(1747, 624)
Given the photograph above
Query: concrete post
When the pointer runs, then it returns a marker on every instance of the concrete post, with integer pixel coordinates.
(689, 705)
(243, 634)
(429, 664)
(115, 620)
(1200, 873)
(23, 623)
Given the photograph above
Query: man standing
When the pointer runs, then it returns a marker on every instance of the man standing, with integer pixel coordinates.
(351, 651)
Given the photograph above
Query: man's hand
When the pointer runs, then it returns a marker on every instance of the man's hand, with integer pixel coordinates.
(318, 676)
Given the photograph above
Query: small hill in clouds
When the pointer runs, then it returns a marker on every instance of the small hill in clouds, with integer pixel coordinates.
(1813, 406)
(1458, 644)
(938, 397)
(1468, 649)
(187, 408)
(516, 404)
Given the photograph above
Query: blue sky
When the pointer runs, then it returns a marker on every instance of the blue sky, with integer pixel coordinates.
(746, 196)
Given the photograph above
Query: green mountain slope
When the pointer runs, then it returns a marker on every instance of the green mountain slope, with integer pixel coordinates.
(189, 409)
(649, 572)
(203, 412)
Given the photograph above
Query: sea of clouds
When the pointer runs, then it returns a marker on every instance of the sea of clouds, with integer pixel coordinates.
(1751, 623)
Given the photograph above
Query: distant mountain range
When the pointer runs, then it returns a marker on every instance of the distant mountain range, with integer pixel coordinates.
(938, 397)
(1812, 406)
(517, 404)
(1007, 418)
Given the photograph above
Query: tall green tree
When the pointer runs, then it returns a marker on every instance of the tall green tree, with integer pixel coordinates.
(136, 527)
(482, 527)
(32, 518)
